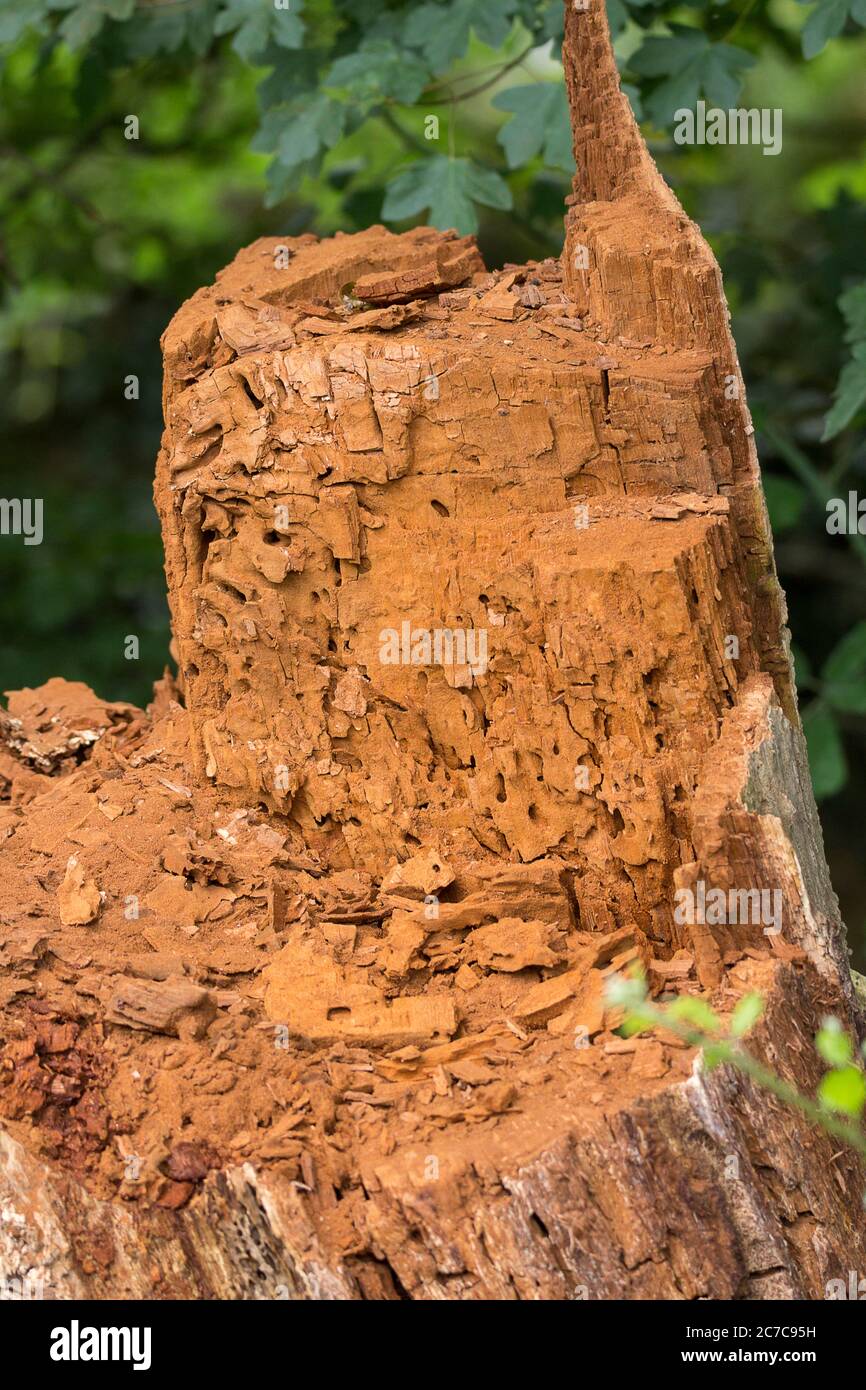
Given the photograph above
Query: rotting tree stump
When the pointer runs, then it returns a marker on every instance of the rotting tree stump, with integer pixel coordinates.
(482, 661)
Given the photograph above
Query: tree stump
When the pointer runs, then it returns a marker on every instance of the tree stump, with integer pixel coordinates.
(483, 673)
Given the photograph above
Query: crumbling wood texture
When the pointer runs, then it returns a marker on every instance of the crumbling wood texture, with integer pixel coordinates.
(707, 1189)
(351, 1039)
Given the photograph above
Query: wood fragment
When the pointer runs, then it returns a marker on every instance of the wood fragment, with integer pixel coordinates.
(162, 1006)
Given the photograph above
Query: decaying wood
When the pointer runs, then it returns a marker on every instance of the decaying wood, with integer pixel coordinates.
(706, 1189)
(164, 1006)
(314, 1004)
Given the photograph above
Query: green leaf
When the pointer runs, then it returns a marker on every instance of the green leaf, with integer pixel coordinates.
(844, 673)
(87, 17)
(714, 1054)
(159, 31)
(165, 28)
(786, 499)
(299, 134)
(255, 24)
(449, 188)
(722, 73)
(844, 1090)
(660, 55)
(626, 991)
(310, 133)
(292, 74)
(553, 22)
(850, 394)
(847, 661)
(691, 67)
(539, 125)
(617, 16)
(833, 1043)
(441, 32)
(377, 72)
(853, 306)
(16, 17)
(688, 1009)
(825, 22)
(635, 1023)
(826, 755)
(746, 1015)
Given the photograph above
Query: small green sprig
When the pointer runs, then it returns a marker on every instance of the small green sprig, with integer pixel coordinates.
(841, 1096)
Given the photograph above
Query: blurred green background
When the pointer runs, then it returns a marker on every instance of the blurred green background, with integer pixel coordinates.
(263, 117)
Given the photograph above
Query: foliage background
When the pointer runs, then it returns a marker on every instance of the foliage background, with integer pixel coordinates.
(262, 117)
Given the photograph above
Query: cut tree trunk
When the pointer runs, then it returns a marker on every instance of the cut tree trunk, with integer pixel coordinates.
(484, 670)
